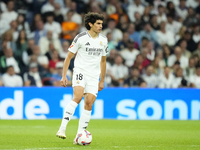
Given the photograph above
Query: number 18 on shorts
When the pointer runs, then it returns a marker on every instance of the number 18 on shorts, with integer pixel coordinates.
(89, 84)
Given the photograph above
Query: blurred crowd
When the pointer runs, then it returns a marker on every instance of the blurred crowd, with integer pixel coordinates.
(151, 43)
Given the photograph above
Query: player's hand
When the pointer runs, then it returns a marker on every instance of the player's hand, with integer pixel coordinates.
(64, 81)
(101, 86)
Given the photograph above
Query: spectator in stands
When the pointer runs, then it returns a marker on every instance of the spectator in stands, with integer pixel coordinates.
(149, 33)
(156, 66)
(123, 23)
(63, 54)
(36, 18)
(191, 18)
(7, 38)
(22, 46)
(3, 6)
(13, 28)
(134, 80)
(110, 8)
(154, 23)
(178, 56)
(146, 15)
(39, 32)
(138, 62)
(175, 66)
(195, 79)
(172, 25)
(197, 51)
(10, 14)
(113, 44)
(69, 26)
(8, 60)
(32, 77)
(196, 59)
(165, 36)
(118, 72)
(151, 52)
(52, 25)
(4, 26)
(111, 57)
(75, 16)
(58, 13)
(123, 44)
(183, 46)
(138, 22)
(191, 45)
(165, 80)
(159, 54)
(182, 9)
(146, 61)
(136, 6)
(10, 79)
(198, 9)
(149, 77)
(144, 43)
(23, 25)
(190, 70)
(166, 53)
(41, 59)
(116, 33)
(192, 4)
(46, 40)
(178, 79)
(181, 33)
(48, 7)
(170, 9)
(56, 77)
(196, 35)
(28, 52)
(129, 54)
(54, 59)
(134, 35)
(161, 14)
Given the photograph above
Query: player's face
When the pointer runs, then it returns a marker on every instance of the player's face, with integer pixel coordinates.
(97, 26)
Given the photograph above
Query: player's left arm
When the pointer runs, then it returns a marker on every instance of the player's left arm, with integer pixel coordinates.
(103, 72)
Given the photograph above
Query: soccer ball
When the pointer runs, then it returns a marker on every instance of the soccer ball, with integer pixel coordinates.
(84, 138)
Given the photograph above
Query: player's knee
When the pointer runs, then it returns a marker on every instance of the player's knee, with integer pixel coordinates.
(88, 105)
(77, 99)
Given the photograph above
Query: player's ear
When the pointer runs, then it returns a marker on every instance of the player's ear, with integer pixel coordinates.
(90, 24)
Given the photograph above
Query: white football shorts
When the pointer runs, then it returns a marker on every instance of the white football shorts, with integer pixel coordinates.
(89, 84)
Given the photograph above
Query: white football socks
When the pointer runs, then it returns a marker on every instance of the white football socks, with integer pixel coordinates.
(69, 112)
(84, 120)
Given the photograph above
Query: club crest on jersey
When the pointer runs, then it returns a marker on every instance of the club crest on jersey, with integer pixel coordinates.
(101, 43)
(78, 82)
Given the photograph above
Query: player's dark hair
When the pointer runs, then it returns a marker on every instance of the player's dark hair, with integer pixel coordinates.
(92, 18)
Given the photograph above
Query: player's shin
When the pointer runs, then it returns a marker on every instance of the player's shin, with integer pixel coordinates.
(69, 112)
(84, 120)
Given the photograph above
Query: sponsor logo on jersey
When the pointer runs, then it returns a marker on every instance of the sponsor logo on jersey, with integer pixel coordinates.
(87, 43)
(94, 51)
(101, 43)
(72, 45)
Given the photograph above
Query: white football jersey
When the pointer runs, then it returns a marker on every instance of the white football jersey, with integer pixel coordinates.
(89, 53)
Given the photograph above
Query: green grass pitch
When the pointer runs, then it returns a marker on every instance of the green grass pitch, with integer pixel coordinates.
(107, 135)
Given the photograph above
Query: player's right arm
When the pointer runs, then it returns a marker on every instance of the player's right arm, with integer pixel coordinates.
(65, 68)
(72, 50)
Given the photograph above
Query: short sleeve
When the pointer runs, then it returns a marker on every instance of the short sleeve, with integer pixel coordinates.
(75, 45)
(105, 51)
